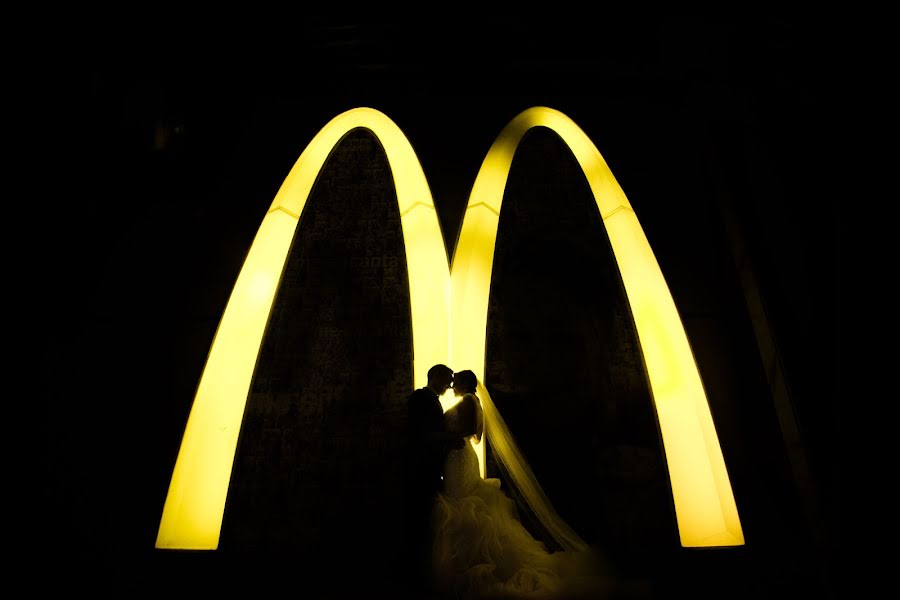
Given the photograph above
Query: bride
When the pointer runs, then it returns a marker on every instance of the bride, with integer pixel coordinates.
(481, 549)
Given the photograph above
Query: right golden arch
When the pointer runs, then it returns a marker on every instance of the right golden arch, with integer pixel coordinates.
(704, 502)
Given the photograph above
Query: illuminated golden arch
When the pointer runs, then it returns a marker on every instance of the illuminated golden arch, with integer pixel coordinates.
(192, 515)
(705, 509)
(704, 502)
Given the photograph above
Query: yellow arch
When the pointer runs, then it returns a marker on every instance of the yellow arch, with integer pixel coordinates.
(192, 515)
(704, 502)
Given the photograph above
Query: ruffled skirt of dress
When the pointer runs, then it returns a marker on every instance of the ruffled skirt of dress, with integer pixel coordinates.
(482, 550)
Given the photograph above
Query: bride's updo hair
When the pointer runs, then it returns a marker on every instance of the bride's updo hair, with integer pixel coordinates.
(465, 381)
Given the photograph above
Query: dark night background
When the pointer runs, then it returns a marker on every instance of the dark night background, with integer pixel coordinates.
(168, 161)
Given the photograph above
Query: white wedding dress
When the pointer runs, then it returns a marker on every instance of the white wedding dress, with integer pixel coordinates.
(482, 549)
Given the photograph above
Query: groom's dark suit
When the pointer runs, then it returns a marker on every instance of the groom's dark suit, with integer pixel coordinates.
(427, 452)
(426, 418)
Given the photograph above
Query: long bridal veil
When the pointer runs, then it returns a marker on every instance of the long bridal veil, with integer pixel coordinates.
(519, 476)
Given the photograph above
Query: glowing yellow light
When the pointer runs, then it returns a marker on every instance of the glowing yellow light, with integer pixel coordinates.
(192, 515)
(704, 502)
(449, 400)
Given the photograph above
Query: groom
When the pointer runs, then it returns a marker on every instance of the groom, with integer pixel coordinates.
(429, 443)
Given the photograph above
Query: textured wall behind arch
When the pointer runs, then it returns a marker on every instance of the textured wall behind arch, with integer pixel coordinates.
(321, 450)
(563, 360)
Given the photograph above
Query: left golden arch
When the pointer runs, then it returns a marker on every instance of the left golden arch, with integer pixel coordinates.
(195, 503)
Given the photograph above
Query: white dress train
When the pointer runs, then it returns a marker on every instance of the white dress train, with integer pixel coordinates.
(482, 549)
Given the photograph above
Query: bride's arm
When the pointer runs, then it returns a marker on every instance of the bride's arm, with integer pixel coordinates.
(479, 421)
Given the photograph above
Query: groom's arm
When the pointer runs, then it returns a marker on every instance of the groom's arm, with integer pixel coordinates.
(420, 421)
(447, 439)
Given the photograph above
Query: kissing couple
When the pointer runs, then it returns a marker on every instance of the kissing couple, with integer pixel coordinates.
(467, 538)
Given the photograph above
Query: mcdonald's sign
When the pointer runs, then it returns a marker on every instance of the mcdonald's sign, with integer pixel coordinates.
(442, 299)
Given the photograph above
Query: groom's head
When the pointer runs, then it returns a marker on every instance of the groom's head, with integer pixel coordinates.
(439, 378)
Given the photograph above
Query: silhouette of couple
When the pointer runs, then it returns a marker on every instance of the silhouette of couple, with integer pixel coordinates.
(467, 540)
